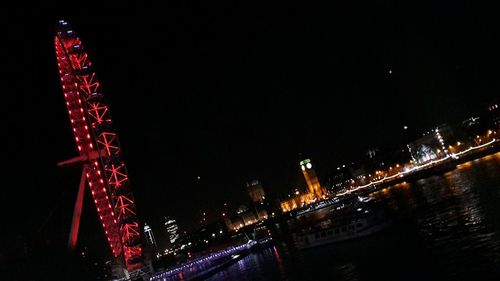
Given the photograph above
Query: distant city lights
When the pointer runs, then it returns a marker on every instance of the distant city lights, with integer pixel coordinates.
(415, 168)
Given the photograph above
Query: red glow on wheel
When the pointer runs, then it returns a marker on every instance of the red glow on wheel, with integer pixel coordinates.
(99, 149)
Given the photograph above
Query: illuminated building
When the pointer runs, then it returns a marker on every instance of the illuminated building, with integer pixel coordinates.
(258, 197)
(297, 202)
(315, 191)
(172, 230)
(256, 191)
(431, 145)
(148, 233)
(256, 212)
(246, 215)
(312, 179)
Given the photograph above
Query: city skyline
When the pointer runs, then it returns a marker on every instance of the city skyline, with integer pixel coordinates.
(202, 102)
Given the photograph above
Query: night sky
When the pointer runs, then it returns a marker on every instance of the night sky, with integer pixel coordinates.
(230, 93)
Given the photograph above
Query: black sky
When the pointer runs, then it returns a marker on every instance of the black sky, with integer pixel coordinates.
(233, 92)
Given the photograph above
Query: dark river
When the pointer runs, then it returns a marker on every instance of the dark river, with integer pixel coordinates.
(449, 229)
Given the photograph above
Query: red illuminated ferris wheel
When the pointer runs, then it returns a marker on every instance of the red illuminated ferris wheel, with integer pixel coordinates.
(100, 154)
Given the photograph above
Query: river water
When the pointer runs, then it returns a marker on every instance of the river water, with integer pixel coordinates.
(449, 229)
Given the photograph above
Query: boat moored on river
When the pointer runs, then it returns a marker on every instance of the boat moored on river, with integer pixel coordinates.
(362, 219)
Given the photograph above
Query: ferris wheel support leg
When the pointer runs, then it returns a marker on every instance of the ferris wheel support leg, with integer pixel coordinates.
(77, 212)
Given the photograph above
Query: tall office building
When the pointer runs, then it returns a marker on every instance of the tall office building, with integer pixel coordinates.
(312, 179)
(148, 233)
(172, 230)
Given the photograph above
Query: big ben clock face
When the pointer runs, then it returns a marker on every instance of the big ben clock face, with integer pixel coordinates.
(308, 165)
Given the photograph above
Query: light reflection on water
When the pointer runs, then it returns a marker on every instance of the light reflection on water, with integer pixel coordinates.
(449, 230)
